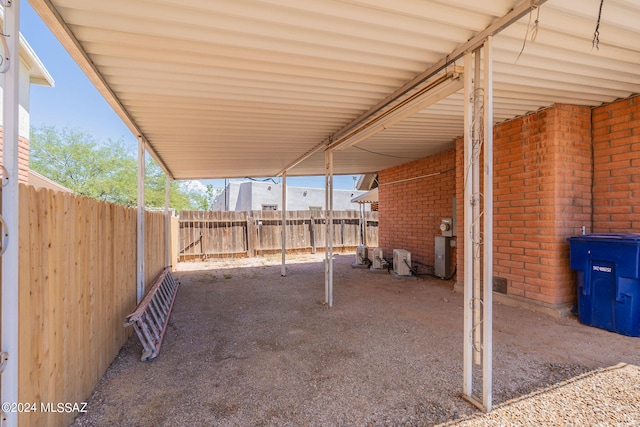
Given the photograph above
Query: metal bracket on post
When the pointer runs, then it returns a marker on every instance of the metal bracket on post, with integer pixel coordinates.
(4, 242)
(4, 175)
(4, 356)
(4, 59)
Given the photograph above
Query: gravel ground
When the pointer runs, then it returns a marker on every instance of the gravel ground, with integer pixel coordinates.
(609, 396)
(246, 347)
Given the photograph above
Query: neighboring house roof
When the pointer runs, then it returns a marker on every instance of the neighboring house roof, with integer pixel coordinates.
(40, 181)
(368, 197)
(38, 74)
(367, 181)
(31, 69)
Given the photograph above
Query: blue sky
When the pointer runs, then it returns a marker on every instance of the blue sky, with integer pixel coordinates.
(75, 103)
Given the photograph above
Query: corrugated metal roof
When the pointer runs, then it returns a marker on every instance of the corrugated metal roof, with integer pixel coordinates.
(234, 88)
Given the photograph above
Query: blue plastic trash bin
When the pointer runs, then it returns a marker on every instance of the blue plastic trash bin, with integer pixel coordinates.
(608, 279)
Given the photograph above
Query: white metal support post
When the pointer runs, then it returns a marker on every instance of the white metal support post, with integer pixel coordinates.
(167, 222)
(478, 223)
(487, 295)
(475, 205)
(468, 220)
(363, 224)
(10, 215)
(140, 236)
(328, 257)
(283, 269)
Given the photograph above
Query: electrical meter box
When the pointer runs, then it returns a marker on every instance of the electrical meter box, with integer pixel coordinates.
(446, 227)
(442, 266)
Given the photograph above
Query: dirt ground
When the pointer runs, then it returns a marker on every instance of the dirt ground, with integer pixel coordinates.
(247, 347)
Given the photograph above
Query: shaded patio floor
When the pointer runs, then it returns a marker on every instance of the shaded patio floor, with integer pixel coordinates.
(246, 346)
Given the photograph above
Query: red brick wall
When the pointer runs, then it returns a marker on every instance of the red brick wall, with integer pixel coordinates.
(23, 158)
(555, 170)
(616, 186)
(542, 195)
(410, 211)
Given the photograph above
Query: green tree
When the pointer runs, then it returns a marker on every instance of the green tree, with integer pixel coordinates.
(104, 170)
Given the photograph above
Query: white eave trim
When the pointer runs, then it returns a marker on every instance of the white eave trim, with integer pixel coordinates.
(38, 74)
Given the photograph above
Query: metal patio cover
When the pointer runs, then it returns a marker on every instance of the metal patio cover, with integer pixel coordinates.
(234, 88)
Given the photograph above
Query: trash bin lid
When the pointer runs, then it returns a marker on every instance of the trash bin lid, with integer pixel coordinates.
(610, 237)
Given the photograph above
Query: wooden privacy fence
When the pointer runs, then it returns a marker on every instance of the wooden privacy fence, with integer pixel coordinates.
(77, 281)
(222, 233)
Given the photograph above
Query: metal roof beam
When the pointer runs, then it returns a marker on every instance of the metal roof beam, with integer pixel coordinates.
(512, 16)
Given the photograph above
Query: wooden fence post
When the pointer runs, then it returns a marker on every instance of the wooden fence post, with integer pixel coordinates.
(312, 233)
(251, 236)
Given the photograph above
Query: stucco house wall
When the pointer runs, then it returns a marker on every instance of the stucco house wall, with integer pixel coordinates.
(253, 195)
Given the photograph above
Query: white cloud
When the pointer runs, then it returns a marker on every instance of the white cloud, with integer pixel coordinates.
(193, 187)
